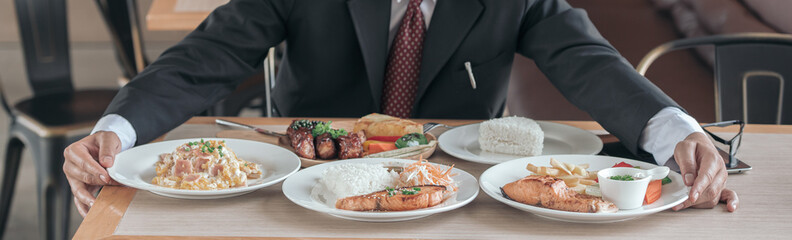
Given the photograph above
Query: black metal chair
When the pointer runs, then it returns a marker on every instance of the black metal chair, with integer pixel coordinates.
(55, 116)
(750, 69)
(121, 18)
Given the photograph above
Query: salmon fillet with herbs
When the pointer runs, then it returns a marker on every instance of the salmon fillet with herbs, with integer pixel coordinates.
(553, 193)
(400, 199)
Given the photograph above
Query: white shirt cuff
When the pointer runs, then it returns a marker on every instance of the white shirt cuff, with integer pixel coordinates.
(664, 130)
(120, 126)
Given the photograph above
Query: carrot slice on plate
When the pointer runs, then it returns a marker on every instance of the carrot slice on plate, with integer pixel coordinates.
(653, 191)
(381, 147)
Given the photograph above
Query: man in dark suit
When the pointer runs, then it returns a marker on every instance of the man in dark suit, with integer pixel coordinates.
(348, 58)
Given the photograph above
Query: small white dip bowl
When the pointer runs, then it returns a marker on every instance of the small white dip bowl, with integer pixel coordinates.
(625, 194)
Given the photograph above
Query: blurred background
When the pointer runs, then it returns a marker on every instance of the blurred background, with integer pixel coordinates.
(634, 27)
(94, 65)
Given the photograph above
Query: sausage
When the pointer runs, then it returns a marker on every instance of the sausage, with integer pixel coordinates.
(303, 143)
(325, 146)
(351, 145)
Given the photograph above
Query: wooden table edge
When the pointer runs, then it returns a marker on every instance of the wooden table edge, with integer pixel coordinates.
(116, 199)
(104, 217)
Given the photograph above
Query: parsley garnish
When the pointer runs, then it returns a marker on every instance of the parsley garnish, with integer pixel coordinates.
(408, 192)
(666, 180)
(622, 178)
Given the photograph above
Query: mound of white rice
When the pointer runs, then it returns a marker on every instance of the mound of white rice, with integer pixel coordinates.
(511, 135)
(352, 179)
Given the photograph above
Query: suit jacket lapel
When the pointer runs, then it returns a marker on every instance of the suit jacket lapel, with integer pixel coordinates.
(371, 19)
(451, 22)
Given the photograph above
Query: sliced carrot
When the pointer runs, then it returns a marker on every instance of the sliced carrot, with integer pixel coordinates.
(369, 142)
(435, 174)
(653, 191)
(381, 147)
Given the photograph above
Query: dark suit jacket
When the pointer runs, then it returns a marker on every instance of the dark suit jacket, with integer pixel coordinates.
(337, 50)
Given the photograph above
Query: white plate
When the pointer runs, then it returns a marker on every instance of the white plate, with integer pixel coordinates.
(462, 142)
(297, 188)
(135, 167)
(496, 176)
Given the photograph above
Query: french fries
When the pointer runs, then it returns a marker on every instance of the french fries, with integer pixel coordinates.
(576, 177)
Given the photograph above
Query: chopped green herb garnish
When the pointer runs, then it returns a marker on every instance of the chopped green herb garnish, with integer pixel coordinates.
(408, 192)
(335, 133)
(666, 180)
(321, 128)
(417, 189)
(622, 178)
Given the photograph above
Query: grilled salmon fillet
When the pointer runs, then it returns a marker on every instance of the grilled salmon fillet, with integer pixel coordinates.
(553, 193)
(428, 196)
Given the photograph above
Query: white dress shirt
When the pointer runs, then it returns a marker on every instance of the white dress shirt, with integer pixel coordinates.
(660, 136)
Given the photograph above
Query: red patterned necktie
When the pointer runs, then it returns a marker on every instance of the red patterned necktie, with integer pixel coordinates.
(404, 63)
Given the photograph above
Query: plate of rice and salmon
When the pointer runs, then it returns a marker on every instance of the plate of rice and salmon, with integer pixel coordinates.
(381, 189)
(503, 139)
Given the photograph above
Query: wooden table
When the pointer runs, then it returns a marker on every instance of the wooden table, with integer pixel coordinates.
(124, 213)
(179, 15)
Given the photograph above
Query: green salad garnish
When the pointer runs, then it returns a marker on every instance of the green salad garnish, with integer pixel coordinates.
(411, 140)
(322, 128)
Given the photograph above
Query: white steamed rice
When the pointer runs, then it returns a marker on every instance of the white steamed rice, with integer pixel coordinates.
(352, 179)
(511, 135)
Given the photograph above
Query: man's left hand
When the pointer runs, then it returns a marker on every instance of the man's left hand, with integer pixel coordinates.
(703, 169)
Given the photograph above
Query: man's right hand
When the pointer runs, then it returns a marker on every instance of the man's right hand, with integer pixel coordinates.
(85, 165)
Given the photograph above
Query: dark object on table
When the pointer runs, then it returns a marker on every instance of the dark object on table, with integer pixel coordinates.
(733, 143)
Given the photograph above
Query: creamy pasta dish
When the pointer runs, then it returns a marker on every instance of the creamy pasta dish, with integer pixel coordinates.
(203, 165)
